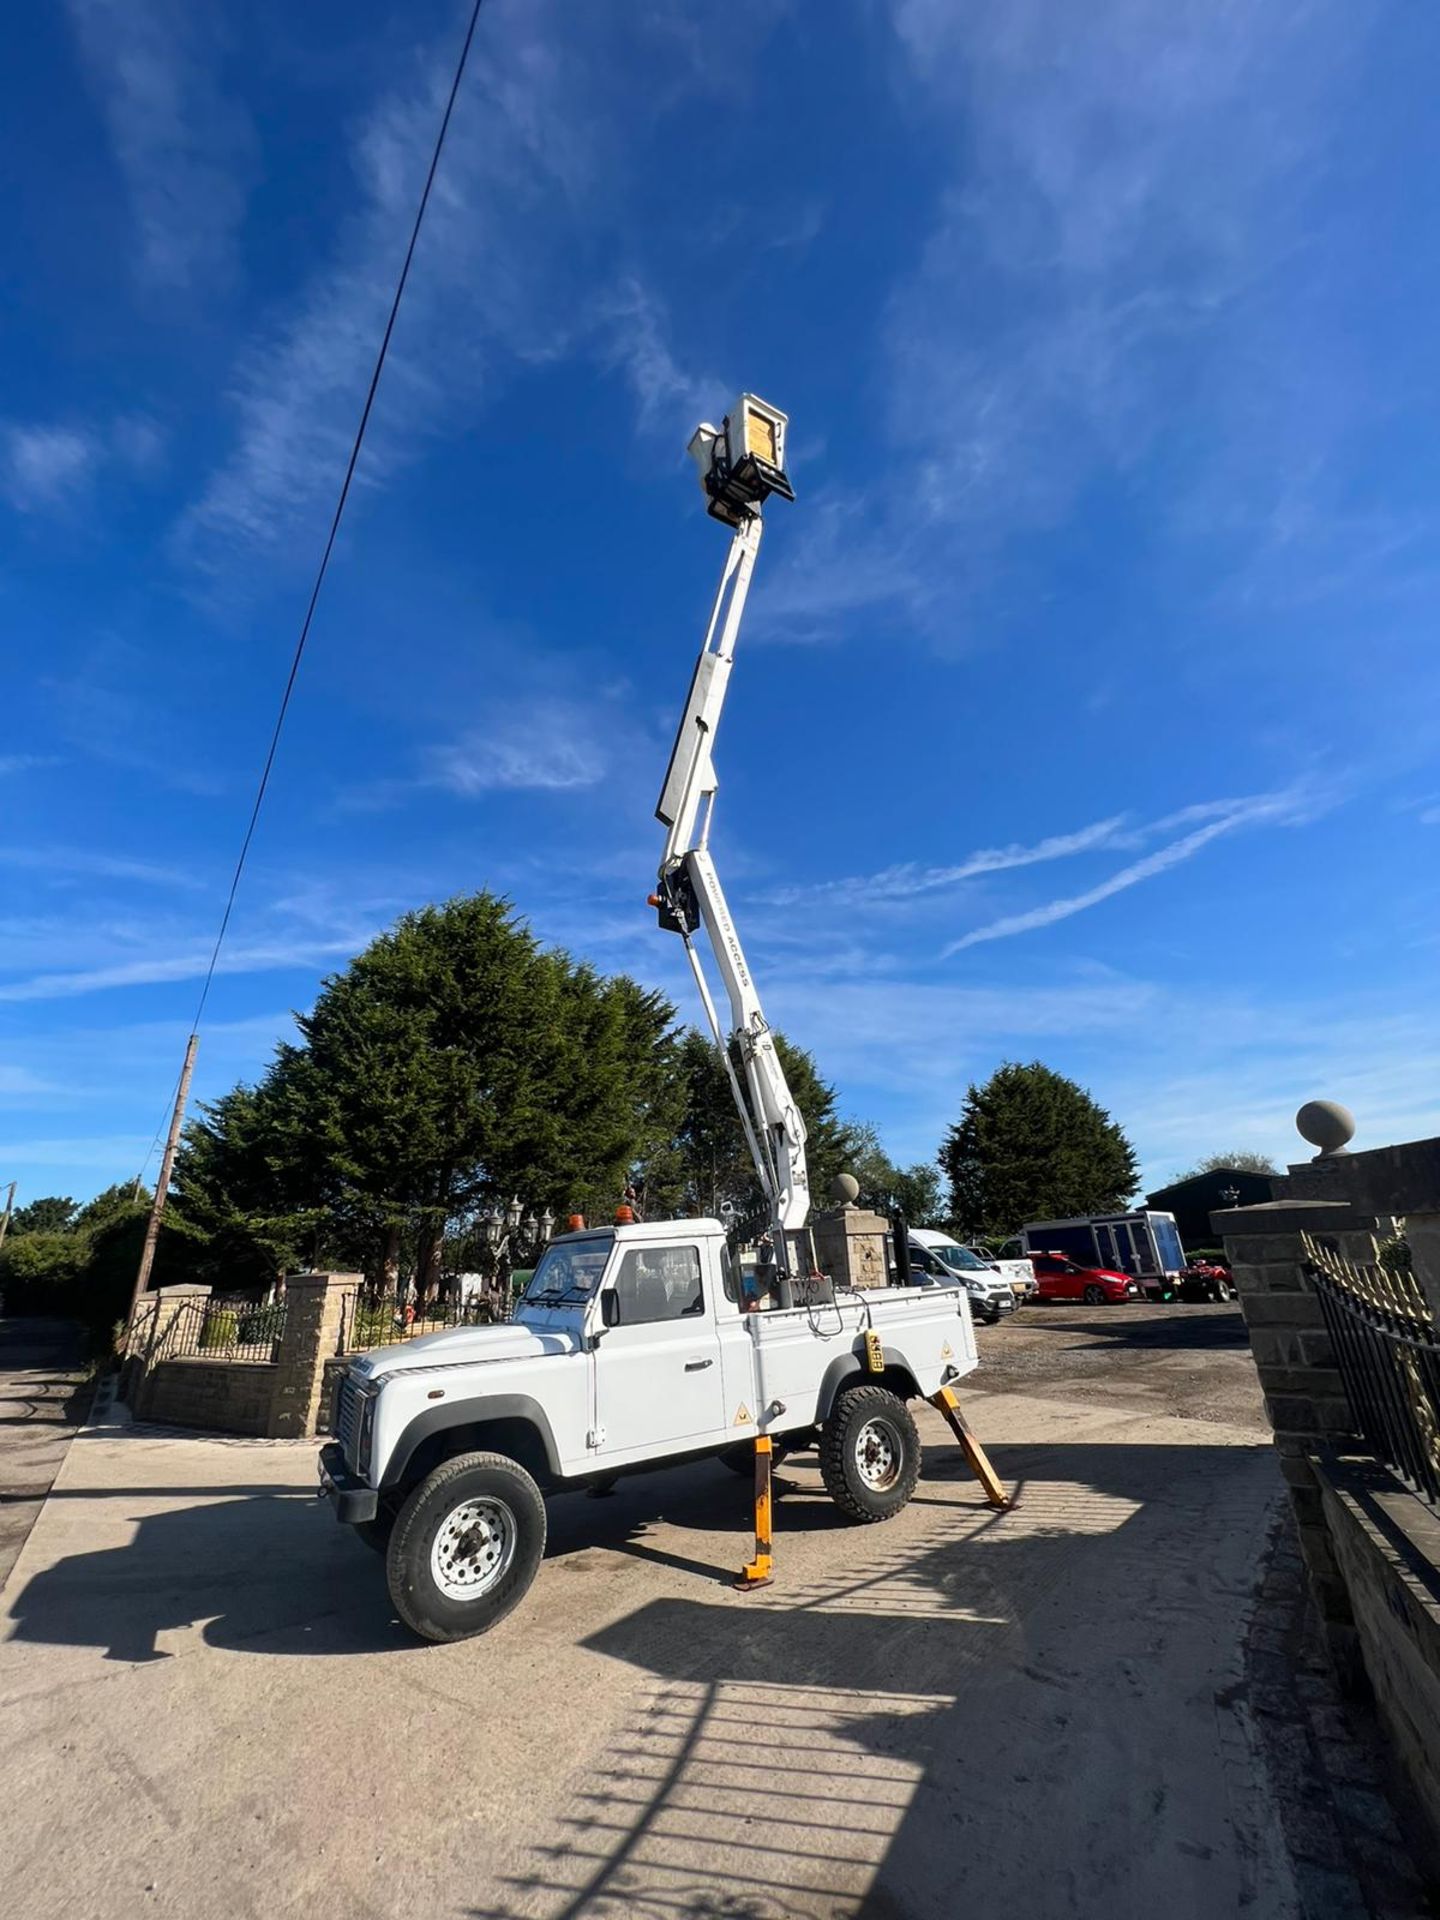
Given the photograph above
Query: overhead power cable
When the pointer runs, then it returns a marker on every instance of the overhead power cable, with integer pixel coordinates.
(329, 548)
(339, 509)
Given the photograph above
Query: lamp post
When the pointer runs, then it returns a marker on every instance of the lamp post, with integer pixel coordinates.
(512, 1237)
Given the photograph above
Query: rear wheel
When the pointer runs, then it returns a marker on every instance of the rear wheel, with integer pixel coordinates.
(869, 1454)
(466, 1546)
(1094, 1296)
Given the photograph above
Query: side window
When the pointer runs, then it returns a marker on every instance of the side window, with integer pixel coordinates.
(659, 1283)
(730, 1272)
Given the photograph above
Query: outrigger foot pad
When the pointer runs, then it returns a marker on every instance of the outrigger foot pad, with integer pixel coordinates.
(747, 1582)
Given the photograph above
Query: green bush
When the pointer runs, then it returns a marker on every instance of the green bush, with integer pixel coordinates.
(221, 1329)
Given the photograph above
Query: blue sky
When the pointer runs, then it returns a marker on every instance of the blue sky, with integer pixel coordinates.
(1087, 705)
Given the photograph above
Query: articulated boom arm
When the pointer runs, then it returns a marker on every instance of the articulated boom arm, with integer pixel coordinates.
(690, 895)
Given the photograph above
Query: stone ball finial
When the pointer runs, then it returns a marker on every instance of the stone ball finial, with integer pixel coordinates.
(1326, 1125)
(844, 1189)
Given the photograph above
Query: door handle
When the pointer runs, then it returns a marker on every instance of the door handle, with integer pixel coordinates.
(698, 1366)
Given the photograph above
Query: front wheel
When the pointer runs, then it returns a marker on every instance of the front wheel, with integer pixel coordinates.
(1094, 1296)
(465, 1547)
(870, 1454)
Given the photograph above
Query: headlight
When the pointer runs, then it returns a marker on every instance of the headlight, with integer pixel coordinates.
(370, 1399)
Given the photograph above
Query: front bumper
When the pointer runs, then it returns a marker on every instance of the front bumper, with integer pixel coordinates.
(353, 1498)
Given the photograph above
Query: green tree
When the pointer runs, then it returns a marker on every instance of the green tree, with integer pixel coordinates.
(1242, 1162)
(115, 1203)
(50, 1215)
(708, 1164)
(888, 1188)
(241, 1176)
(1032, 1145)
(452, 1064)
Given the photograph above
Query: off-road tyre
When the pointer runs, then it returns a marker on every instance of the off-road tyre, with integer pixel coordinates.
(869, 1454)
(476, 1522)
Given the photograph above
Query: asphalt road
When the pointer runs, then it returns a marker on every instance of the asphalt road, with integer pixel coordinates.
(210, 1709)
(43, 1396)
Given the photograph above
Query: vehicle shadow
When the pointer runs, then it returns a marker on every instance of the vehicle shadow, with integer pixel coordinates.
(262, 1572)
(850, 1746)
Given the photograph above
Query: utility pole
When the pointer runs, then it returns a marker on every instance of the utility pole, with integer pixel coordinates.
(9, 1208)
(162, 1182)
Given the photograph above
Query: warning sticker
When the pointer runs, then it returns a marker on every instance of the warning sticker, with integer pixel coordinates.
(742, 1418)
(947, 1352)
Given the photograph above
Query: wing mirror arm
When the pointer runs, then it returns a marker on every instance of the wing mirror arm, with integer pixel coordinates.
(609, 1315)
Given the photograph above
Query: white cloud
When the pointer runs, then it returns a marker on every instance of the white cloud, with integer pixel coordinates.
(670, 399)
(902, 882)
(1112, 220)
(525, 203)
(25, 762)
(1292, 807)
(44, 467)
(103, 866)
(552, 757)
(156, 969)
(186, 150)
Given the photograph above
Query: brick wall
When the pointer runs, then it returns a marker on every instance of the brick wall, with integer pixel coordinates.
(1371, 1548)
(219, 1396)
(1387, 1549)
(283, 1398)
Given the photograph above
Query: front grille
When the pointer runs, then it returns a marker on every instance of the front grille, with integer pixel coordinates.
(349, 1406)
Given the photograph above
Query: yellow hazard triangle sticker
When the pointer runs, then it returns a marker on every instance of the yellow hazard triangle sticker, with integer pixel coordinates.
(742, 1418)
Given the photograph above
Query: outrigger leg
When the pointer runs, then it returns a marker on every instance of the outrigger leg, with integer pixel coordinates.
(974, 1453)
(758, 1571)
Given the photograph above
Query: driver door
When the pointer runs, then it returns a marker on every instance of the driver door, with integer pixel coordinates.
(658, 1382)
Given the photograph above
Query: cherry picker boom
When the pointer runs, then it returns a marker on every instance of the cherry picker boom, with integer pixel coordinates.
(741, 462)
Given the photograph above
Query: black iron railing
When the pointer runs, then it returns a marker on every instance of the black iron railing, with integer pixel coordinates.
(1387, 1349)
(370, 1319)
(222, 1330)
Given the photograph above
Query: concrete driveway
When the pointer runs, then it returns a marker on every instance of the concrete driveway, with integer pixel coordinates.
(210, 1709)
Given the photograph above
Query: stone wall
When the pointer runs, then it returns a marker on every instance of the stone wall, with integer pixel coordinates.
(220, 1396)
(1372, 1549)
(1387, 1550)
(282, 1398)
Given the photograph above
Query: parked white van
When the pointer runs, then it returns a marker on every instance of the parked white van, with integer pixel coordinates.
(991, 1294)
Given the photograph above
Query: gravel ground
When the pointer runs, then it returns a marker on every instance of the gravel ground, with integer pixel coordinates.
(1189, 1361)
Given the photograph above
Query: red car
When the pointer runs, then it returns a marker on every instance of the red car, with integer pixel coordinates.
(1060, 1278)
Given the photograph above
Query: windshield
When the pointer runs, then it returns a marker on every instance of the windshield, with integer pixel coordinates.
(569, 1271)
(960, 1259)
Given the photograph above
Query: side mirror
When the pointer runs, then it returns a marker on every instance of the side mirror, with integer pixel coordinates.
(610, 1308)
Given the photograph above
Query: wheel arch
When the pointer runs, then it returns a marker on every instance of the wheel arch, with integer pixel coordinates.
(847, 1371)
(510, 1423)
